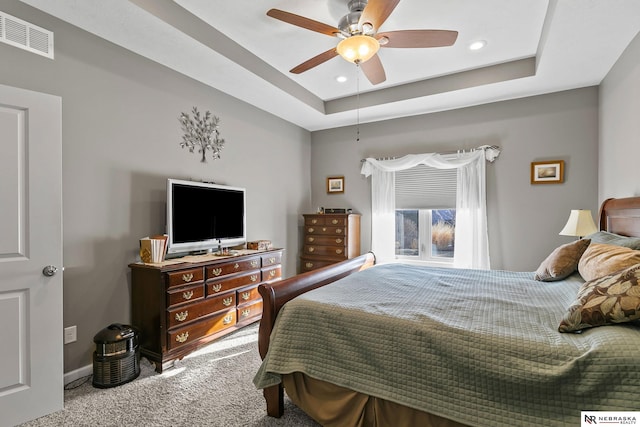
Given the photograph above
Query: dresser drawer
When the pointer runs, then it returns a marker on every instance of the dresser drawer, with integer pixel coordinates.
(207, 326)
(325, 220)
(232, 267)
(249, 312)
(334, 251)
(247, 295)
(192, 312)
(312, 264)
(325, 240)
(271, 259)
(184, 277)
(314, 220)
(185, 294)
(216, 286)
(270, 274)
(325, 230)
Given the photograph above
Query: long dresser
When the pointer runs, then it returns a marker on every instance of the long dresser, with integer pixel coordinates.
(180, 307)
(329, 238)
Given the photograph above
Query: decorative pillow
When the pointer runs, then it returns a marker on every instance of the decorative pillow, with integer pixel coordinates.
(562, 262)
(601, 259)
(609, 300)
(614, 239)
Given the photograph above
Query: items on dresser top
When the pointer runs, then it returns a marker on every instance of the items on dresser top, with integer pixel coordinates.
(180, 307)
(329, 238)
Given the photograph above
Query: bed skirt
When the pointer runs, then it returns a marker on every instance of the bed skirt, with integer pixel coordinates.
(333, 406)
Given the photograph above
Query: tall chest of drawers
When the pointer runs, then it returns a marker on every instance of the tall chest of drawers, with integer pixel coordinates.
(329, 238)
(179, 308)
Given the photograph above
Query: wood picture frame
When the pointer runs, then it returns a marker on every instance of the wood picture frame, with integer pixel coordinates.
(335, 184)
(547, 172)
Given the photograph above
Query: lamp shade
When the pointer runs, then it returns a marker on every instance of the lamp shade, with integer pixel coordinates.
(358, 48)
(580, 224)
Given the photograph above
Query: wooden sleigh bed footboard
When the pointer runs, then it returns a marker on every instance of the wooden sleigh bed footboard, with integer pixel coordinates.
(275, 295)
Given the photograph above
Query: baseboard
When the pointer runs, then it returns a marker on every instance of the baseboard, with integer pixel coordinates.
(77, 374)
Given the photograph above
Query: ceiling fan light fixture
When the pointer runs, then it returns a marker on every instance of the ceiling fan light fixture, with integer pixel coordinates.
(358, 48)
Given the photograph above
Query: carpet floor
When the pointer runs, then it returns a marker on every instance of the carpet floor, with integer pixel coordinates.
(210, 387)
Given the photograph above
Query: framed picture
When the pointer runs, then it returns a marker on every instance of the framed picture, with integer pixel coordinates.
(335, 184)
(549, 172)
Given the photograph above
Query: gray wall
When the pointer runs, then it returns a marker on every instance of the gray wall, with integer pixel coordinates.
(620, 127)
(524, 219)
(121, 142)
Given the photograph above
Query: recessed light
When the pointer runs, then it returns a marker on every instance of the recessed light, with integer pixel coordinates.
(477, 45)
(341, 79)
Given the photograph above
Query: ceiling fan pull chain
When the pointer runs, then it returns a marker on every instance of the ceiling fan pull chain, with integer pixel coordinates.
(357, 102)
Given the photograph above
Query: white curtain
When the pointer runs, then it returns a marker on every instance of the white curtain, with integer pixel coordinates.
(471, 237)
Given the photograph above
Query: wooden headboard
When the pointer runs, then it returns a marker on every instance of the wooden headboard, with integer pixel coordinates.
(621, 216)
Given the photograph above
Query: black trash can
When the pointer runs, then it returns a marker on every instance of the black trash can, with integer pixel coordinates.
(116, 360)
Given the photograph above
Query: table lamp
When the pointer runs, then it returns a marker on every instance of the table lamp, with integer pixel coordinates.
(580, 224)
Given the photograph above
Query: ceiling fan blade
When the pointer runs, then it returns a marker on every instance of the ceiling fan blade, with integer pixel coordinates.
(315, 61)
(418, 38)
(301, 21)
(374, 70)
(376, 12)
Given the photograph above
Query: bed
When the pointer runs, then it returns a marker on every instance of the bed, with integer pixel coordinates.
(359, 344)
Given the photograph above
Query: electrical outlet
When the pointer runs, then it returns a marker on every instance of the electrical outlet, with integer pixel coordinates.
(70, 334)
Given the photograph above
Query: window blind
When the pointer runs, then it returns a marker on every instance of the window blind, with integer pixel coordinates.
(425, 187)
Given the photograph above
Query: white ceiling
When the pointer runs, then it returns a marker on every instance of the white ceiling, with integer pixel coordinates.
(533, 47)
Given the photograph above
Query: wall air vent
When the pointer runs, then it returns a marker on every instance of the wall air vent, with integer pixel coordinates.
(24, 35)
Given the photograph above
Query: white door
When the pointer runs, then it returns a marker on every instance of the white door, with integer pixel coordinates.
(31, 335)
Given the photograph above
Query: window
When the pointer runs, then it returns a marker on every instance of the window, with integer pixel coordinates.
(425, 217)
(425, 234)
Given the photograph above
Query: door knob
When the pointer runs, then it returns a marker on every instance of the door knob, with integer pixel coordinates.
(50, 270)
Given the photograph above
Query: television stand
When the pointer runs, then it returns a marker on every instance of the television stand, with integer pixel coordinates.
(182, 306)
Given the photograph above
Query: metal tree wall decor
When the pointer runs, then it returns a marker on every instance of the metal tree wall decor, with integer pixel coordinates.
(201, 132)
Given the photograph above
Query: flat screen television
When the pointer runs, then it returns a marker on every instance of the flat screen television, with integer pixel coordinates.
(204, 217)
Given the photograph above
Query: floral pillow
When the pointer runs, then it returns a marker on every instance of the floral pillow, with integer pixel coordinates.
(608, 300)
(601, 259)
(562, 262)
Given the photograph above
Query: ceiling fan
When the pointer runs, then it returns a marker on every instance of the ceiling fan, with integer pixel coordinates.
(361, 40)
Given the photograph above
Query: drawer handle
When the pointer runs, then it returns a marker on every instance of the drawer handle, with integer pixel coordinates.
(245, 313)
(182, 316)
(272, 273)
(237, 266)
(254, 263)
(217, 287)
(311, 249)
(227, 319)
(187, 277)
(227, 301)
(182, 337)
(216, 271)
(314, 221)
(245, 295)
(324, 228)
(253, 277)
(187, 295)
(309, 264)
(272, 260)
(338, 240)
(311, 230)
(334, 222)
(338, 251)
(338, 230)
(311, 239)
